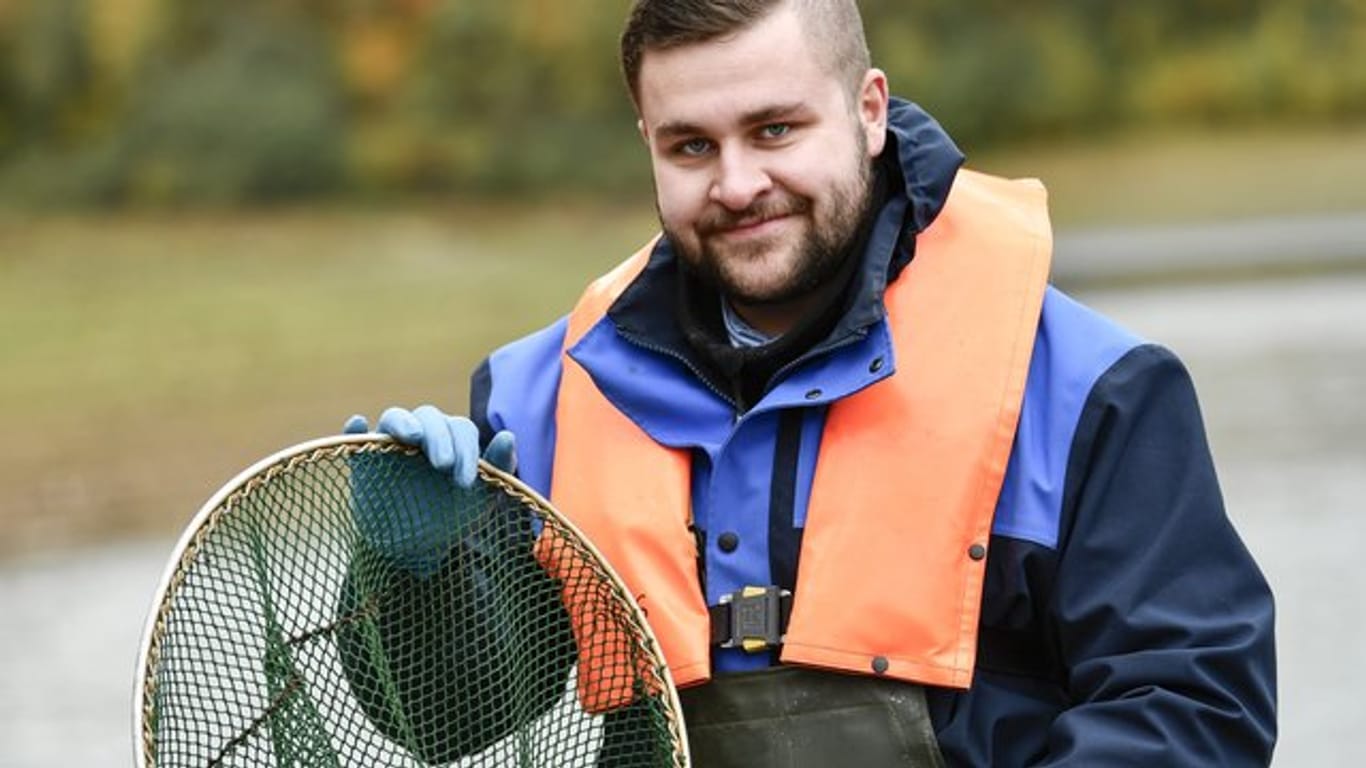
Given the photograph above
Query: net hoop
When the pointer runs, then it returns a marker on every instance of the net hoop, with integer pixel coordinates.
(219, 505)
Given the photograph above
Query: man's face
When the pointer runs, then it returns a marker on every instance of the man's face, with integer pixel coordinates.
(761, 162)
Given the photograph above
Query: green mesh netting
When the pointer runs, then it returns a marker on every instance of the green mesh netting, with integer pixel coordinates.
(346, 605)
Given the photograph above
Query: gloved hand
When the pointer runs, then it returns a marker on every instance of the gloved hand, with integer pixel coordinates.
(451, 443)
(446, 499)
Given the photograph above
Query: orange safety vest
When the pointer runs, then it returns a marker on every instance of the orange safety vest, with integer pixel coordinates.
(907, 477)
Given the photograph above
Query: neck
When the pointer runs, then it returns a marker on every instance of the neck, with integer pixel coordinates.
(774, 320)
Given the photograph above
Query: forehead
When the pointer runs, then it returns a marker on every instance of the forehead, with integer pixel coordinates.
(718, 81)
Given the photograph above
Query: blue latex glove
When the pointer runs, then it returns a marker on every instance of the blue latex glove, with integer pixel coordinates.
(445, 497)
(451, 443)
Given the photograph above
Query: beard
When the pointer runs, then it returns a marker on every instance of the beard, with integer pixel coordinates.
(831, 228)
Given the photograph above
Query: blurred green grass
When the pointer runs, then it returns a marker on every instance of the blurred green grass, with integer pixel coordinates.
(147, 357)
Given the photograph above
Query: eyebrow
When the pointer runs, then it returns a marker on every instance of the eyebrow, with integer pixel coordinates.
(771, 114)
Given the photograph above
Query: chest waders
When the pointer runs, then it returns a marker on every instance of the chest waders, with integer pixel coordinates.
(791, 717)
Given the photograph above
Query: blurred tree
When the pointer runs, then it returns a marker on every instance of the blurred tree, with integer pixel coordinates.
(49, 74)
(117, 34)
(516, 100)
(234, 102)
(9, 96)
(167, 101)
(253, 115)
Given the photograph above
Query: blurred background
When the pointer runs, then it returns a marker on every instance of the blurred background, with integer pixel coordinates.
(226, 226)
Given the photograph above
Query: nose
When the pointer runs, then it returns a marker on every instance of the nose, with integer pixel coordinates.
(739, 179)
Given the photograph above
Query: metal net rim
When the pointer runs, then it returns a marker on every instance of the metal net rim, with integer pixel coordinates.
(230, 496)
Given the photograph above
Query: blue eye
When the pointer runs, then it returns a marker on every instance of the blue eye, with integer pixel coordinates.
(694, 147)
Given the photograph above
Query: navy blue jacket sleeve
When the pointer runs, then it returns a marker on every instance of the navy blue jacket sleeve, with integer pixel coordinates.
(1164, 622)
(481, 384)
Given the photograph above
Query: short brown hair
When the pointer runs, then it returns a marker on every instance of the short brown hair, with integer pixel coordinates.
(658, 25)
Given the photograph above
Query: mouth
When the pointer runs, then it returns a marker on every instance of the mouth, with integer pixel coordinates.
(753, 227)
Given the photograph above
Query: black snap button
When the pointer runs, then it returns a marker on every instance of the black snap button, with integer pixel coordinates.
(814, 394)
(728, 542)
(977, 552)
(876, 365)
(880, 665)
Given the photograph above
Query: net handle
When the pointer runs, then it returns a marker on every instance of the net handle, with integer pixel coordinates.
(188, 544)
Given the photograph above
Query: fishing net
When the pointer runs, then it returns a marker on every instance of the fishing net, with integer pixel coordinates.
(343, 604)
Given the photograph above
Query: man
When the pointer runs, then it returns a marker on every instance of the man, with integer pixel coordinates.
(840, 373)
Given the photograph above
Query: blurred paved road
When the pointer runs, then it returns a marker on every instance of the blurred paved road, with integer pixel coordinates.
(1281, 368)
(1277, 245)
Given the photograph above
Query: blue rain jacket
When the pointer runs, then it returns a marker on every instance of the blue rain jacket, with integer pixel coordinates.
(1123, 620)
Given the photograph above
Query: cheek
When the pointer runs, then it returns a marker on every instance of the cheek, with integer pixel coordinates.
(680, 198)
(809, 181)
(832, 166)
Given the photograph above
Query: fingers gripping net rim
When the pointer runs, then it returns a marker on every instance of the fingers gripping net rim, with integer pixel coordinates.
(338, 604)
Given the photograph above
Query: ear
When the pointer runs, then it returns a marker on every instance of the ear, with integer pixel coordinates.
(872, 110)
